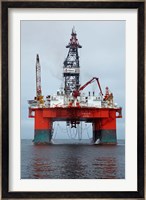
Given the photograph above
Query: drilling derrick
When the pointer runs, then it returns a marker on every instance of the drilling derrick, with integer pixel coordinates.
(72, 106)
(71, 68)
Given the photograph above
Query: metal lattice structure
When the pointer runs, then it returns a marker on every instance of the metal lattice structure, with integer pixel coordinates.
(71, 68)
(38, 77)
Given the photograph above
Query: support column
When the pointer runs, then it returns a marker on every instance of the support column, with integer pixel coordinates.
(96, 130)
(104, 129)
(43, 129)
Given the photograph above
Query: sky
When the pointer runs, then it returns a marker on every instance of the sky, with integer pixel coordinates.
(102, 55)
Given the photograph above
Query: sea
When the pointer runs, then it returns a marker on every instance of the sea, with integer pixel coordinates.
(72, 159)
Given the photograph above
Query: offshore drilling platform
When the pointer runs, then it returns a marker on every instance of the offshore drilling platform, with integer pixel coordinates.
(73, 106)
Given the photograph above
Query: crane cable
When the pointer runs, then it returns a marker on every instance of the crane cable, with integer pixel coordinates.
(72, 134)
(87, 128)
(56, 130)
(68, 132)
(80, 132)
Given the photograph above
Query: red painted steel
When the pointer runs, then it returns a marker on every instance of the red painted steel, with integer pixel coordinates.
(63, 113)
(77, 92)
(41, 122)
(102, 118)
(105, 124)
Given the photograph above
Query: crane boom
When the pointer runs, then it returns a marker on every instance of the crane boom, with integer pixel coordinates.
(99, 86)
(77, 92)
(38, 77)
(85, 85)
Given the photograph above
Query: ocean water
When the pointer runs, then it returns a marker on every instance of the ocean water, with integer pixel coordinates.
(72, 159)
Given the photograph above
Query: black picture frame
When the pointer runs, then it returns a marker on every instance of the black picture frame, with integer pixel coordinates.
(5, 99)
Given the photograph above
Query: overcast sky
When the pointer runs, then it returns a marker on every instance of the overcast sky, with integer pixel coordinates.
(102, 55)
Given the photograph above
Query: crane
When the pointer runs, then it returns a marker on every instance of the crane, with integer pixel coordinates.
(39, 96)
(108, 96)
(77, 92)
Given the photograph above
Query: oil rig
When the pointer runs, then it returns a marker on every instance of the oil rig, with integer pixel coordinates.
(72, 105)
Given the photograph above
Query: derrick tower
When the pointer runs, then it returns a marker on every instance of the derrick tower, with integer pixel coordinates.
(71, 68)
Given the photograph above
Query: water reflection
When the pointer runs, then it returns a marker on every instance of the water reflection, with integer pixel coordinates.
(73, 167)
(105, 167)
(39, 164)
(75, 162)
(40, 168)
